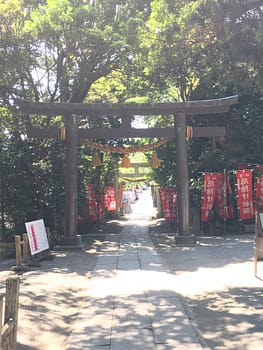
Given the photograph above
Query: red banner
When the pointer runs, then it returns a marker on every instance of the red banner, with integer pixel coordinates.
(169, 203)
(244, 193)
(210, 188)
(221, 197)
(174, 204)
(224, 207)
(110, 198)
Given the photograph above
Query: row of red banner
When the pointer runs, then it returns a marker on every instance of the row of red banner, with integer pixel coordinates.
(168, 199)
(216, 188)
(97, 208)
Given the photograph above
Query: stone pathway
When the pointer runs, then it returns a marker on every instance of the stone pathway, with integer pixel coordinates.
(131, 300)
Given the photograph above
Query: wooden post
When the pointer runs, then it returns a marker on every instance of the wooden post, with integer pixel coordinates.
(25, 256)
(18, 250)
(22, 249)
(11, 307)
(116, 185)
(1, 318)
(182, 181)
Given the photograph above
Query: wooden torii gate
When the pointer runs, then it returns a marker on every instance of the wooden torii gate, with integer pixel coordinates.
(125, 112)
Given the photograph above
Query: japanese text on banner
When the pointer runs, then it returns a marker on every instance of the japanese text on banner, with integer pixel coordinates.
(244, 192)
(168, 199)
(210, 188)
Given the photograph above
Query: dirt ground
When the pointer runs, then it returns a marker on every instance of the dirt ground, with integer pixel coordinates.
(215, 281)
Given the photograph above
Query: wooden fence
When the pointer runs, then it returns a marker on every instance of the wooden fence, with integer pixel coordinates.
(9, 305)
(22, 249)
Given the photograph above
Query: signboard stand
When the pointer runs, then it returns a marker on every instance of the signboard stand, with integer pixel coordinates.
(24, 260)
(38, 241)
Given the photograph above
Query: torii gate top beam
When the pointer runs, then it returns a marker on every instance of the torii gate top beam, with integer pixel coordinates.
(202, 107)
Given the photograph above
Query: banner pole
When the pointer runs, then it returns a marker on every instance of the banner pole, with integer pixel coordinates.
(225, 201)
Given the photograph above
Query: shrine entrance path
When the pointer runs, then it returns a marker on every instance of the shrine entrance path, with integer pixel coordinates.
(131, 301)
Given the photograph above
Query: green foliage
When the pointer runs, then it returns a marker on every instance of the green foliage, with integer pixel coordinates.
(55, 51)
(165, 174)
(13, 51)
(31, 183)
(110, 88)
(76, 43)
(245, 130)
(203, 50)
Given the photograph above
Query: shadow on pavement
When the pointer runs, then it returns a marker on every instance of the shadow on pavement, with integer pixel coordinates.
(231, 319)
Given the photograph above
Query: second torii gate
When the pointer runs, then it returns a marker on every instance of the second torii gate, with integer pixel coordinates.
(125, 112)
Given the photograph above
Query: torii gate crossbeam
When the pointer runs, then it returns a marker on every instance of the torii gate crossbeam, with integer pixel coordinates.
(179, 109)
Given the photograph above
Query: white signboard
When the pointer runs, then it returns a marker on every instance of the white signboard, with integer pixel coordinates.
(37, 236)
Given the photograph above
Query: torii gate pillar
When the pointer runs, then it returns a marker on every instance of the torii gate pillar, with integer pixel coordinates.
(182, 182)
(71, 183)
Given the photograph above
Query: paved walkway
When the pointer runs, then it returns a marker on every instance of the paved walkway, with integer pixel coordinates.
(131, 298)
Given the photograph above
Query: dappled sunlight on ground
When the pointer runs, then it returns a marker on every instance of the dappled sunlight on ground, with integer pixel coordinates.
(230, 318)
(216, 279)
